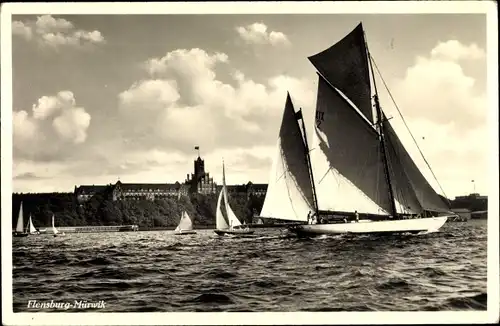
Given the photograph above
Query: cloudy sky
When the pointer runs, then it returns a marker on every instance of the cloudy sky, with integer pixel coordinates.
(102, 97)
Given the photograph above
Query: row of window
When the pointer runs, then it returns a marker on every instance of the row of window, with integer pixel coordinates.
(150, 190)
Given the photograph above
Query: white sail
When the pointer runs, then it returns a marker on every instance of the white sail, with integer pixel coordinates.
(19, 226)
(185, 223)
(233, 220)
(289, 194)
(225, 217)
(31, 227)
(284, 200)
(231, 217)
(54, 230)
(220, 214)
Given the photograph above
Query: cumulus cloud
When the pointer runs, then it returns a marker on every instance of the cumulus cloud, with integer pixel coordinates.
(55, 32)
(22, 30)
(455, 50)
(437, 88)
(446, 115)
(55, 125)
(184, 103)
(257, 33)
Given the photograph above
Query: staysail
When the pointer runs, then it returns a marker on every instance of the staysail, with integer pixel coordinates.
(19, 226)
(289, 194)
(345, 66)
(185, 223)
(408, 181)
(346, 158)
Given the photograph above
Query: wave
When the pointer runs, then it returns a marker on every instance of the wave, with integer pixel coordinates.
(433, 272)
(477, 302)
(211, 298)
(220, 274)
(394, 284)
(95, 261)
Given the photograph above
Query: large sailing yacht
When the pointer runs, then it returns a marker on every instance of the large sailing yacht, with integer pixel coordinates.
(357, 177)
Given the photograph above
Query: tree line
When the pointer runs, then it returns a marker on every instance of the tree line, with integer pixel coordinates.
(102, 210)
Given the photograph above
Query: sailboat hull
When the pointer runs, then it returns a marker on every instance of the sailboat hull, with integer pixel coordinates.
(185, 232)
(234, 232)
(19, 235)
(431, 224)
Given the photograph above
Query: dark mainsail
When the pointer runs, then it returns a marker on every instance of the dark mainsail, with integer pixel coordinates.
(345, 66)
(350, 147)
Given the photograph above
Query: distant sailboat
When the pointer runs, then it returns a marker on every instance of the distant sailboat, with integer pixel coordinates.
(185, 225)
(226, 221)
(54, 230)
(357, 167)
(19, 232)
(30, 227)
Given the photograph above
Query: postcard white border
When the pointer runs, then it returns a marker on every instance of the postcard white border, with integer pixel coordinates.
(369, 7)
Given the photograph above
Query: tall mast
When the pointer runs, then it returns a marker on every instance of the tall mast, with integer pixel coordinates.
(309, 165)
(380, 123)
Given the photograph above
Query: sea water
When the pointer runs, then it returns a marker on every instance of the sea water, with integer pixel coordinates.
(271, 271)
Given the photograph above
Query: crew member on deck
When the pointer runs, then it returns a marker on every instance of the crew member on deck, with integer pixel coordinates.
(357, 216)
(309, 217)
(314, 218)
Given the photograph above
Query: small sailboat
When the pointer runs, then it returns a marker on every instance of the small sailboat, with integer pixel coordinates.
(30, 227)
(358, 177)
(226, 221)
(185, 225)
(19, 232)
(54, 230)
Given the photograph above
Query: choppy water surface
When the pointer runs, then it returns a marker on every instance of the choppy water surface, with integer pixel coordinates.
(157, 271)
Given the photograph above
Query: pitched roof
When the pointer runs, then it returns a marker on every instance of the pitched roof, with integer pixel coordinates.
(90, 189)
(148, 186)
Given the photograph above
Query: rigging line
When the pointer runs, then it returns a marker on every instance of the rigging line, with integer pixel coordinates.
(393, 101)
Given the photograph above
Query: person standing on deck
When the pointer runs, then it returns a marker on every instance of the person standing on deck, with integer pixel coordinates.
(314, 218)
(309, 217)
(357, 216)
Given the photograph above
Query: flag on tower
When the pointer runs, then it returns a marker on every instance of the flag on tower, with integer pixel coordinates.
(197, 147)
(298, 115)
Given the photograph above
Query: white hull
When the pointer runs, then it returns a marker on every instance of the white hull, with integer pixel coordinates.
(417, 225)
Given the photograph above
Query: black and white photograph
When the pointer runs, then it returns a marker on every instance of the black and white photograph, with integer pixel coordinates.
(250, 163)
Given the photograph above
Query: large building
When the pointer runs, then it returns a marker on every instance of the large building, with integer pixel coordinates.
(198, 182)
(131, 191)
